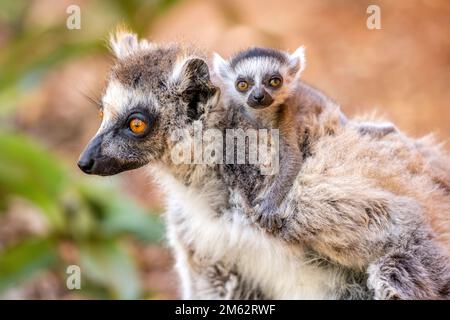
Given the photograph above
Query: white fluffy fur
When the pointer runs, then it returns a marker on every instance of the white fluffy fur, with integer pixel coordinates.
(124, 44)
(118, 98)
(231, 239)
(298, 57)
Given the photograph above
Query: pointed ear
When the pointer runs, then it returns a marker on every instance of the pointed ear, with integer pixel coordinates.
(196, 86)
(124, 43)
(297, 61)
(221, 67)
(194, 74)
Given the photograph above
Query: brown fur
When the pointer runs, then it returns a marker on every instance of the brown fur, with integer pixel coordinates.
(359, 204)
(359, 194)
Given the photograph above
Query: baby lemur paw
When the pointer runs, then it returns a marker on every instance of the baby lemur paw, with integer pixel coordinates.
(266, 215)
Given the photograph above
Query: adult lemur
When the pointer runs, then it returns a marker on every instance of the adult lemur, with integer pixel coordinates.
(265, 84)
(353, 222)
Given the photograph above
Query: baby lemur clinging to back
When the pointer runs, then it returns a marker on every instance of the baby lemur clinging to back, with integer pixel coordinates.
(265, 84)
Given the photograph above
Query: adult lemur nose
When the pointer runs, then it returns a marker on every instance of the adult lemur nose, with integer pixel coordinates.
(86, 165)
(87, 159)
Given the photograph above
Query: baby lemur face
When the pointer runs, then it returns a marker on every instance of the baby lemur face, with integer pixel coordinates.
(151, 90)
(260, 77)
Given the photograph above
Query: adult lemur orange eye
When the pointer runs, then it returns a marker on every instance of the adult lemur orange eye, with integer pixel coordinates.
(275, 82)
(137, 126)
(100, 114)
(242, 85)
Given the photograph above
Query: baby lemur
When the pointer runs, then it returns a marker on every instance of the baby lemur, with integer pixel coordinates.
(265, 84)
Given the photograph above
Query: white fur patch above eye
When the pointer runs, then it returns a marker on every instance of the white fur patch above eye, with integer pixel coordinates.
(256, 68)
(115, 98)
(119, 99)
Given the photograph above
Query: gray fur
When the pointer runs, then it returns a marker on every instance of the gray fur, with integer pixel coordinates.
(352, 224)
(286, 106)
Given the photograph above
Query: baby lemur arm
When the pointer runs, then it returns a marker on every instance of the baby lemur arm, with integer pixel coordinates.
(266, 206)
(376, 130)
(373, 129)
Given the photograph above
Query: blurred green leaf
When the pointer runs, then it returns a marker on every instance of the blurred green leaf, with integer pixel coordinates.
(139, 14)
(29, 171)
(120, 215)
(109, 265)
(146, 227)
(79, 211)
(52, 46)
(20, 262)
(17, 79)
(13, 12)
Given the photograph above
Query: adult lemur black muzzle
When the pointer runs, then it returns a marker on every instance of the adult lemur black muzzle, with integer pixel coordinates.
(89, 158)
(94, 161)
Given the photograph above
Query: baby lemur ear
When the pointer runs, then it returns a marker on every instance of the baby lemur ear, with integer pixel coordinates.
(221, 67)
(124, 43)
(196, 87)
(297, 61)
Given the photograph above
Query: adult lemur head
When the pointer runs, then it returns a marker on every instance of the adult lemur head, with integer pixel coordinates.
(151, 90)
(260, 77)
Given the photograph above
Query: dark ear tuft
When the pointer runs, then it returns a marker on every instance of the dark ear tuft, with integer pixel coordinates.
(197, 87)
(196, 69)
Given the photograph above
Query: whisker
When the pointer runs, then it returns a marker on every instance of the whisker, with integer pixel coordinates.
(112, 110)
(100, 104)
(96, 101)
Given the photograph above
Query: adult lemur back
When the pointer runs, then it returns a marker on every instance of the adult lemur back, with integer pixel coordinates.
(352, 224)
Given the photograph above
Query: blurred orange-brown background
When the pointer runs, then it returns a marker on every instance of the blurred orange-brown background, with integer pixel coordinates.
(401, 70)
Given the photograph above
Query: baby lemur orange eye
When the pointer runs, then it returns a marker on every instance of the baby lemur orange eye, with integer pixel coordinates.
(275, 82)
(100, 114)
(137, 126)
(242, 85)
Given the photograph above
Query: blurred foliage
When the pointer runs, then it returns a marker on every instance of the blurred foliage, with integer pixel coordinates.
(55, 44)
(23, 260)
(95, 217)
